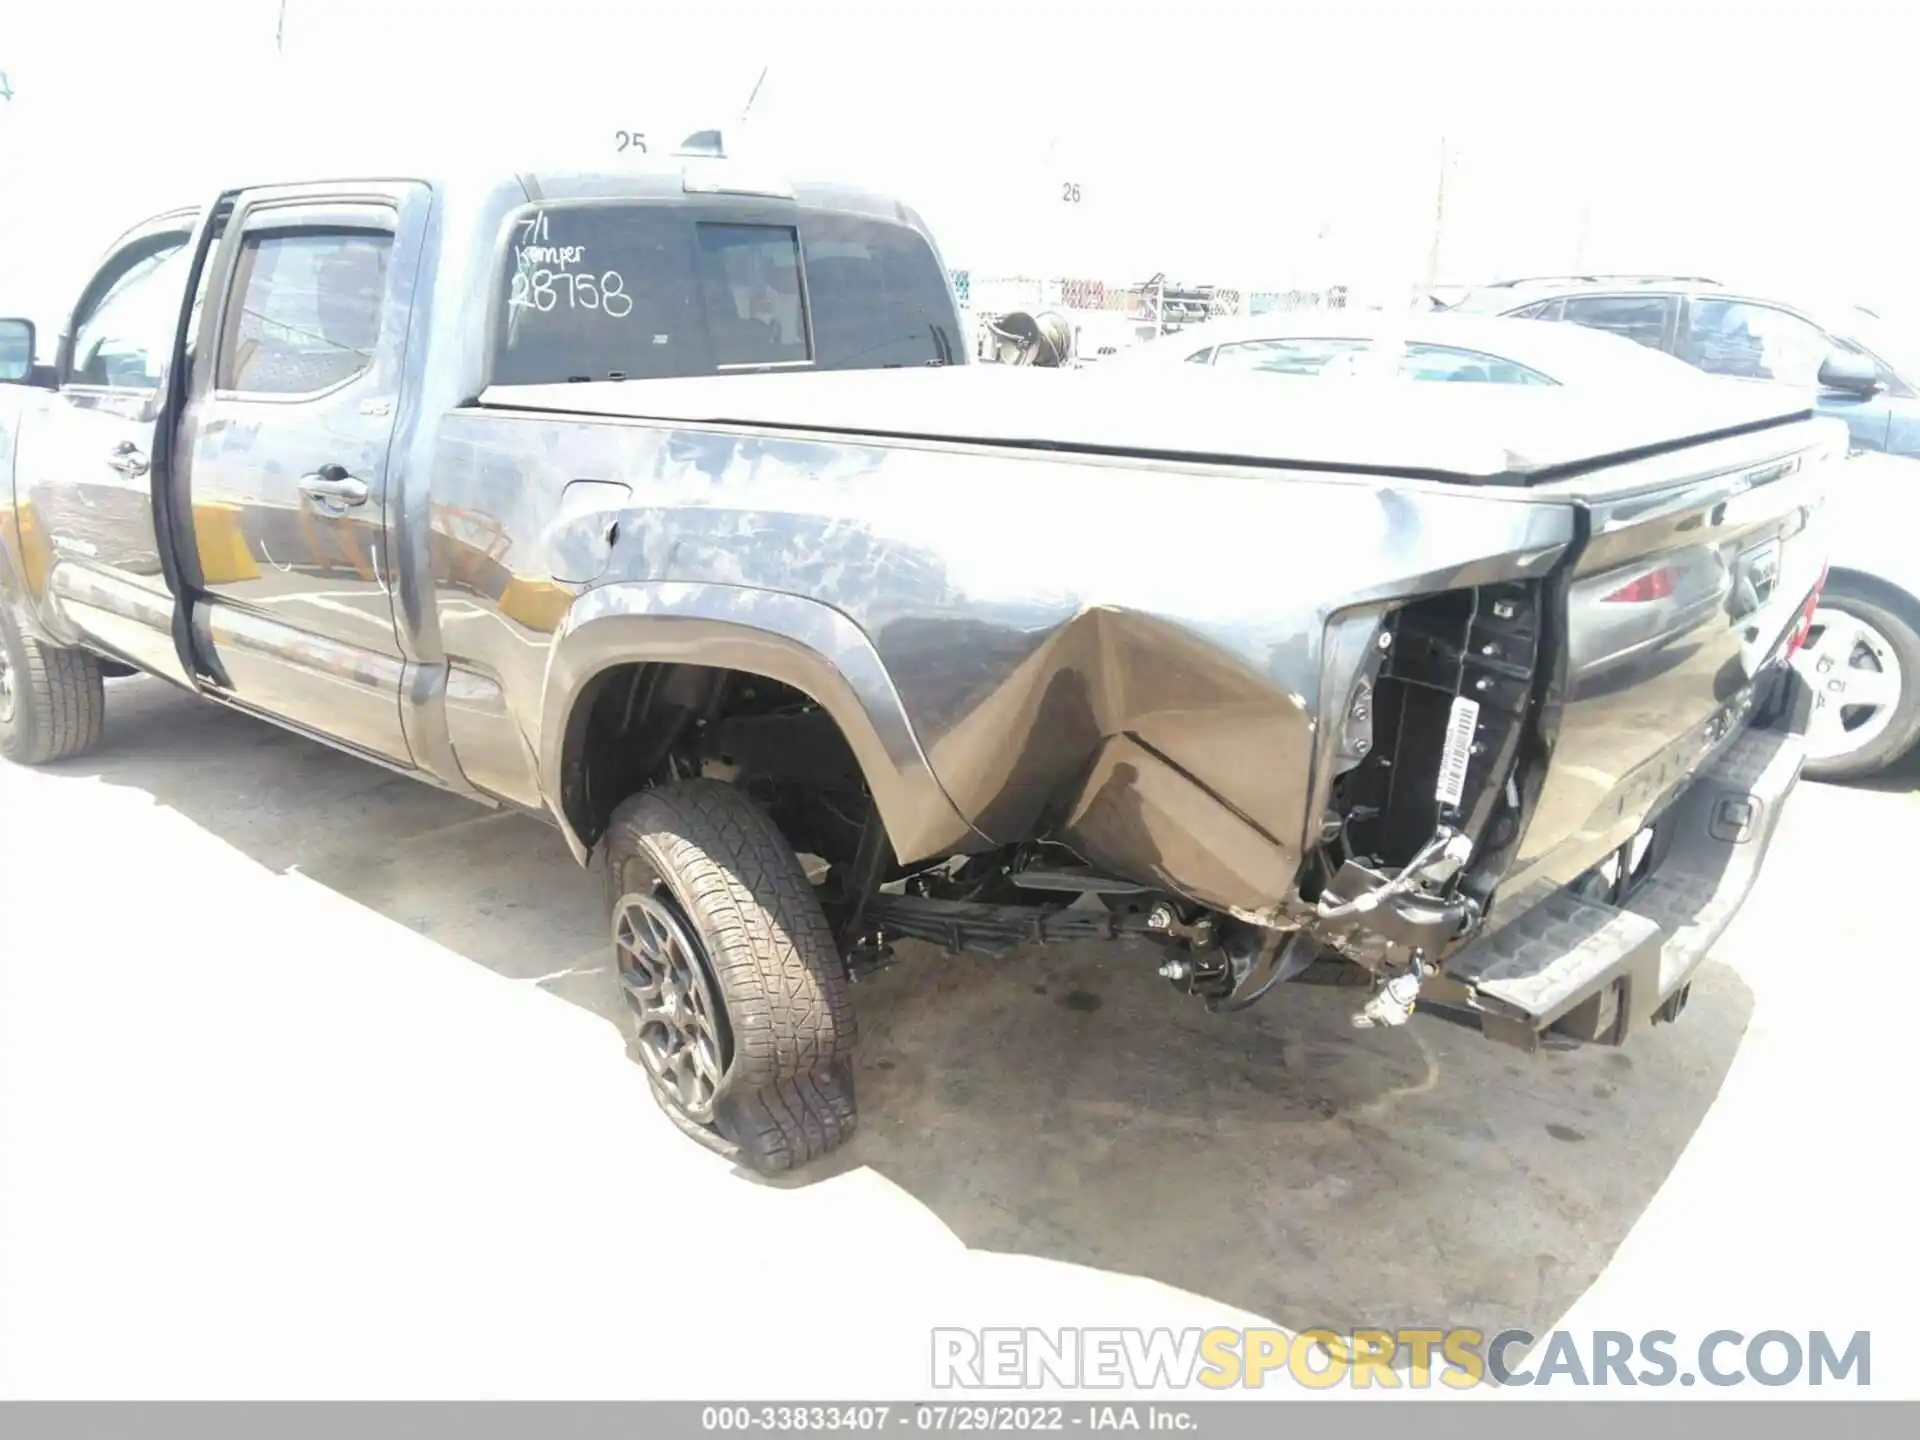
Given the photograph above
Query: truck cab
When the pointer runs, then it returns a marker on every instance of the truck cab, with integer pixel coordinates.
(223, 477)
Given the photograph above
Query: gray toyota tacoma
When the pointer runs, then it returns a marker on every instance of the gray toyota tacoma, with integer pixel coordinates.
(665, 504)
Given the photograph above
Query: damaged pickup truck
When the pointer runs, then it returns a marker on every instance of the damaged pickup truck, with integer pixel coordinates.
(666, 505)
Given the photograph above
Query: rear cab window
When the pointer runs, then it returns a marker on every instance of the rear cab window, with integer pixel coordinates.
(635, 290)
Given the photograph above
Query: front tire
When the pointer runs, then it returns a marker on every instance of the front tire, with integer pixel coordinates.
(743, 1019)
(1862, 661)
(53, 702)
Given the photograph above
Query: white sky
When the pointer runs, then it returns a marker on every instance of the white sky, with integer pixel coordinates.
(1236, 143)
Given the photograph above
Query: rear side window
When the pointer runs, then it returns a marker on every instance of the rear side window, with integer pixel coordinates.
(306, 312)
(1643, 318)
(1539, 310)
(612, 292)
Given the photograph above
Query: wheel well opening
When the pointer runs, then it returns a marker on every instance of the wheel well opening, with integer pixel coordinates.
(646, 724)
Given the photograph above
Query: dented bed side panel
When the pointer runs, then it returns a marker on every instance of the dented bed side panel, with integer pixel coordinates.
(1051, 626)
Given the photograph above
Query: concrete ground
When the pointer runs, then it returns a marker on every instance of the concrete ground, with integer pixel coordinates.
(313, 1084)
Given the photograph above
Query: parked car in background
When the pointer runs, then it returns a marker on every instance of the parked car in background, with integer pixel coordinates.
(1859, 369)
(1383, 345)
(1864, 656)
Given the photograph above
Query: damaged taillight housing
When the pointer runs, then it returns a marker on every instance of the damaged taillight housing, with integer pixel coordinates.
(1424, 815)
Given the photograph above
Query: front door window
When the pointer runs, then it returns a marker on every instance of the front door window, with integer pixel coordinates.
(1754, 342)
(123, 342)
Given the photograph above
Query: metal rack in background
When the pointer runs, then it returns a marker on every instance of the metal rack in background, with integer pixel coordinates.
(1169, 307)
(1105, 317)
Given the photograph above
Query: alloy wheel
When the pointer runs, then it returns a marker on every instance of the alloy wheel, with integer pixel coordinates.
(664, 975)
(1856, 680)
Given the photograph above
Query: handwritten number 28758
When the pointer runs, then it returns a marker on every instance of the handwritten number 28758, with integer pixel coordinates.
(542, 290)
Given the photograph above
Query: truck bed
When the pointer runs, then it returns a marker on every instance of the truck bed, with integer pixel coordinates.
(1469, 434)
(1607, 584)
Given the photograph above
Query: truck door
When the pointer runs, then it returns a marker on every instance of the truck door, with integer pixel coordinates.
(82, 459)
(285, 440)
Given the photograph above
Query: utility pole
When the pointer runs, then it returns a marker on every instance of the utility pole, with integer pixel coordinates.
(280, 28)
(1439, 214)
(752, 95)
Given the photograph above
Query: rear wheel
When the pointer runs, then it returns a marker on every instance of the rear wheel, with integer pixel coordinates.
(742, 1017)
(1862, 662)
(52, 701)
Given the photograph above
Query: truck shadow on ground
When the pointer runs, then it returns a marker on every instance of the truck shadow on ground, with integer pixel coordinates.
(1064, 1103)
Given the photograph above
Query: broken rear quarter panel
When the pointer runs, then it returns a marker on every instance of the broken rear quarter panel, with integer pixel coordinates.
(1023, 608)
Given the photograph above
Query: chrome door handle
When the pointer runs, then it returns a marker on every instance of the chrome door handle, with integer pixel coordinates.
(332, 485)
(127, 459)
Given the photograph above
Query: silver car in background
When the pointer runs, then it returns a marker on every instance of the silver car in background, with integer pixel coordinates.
(1412, 345)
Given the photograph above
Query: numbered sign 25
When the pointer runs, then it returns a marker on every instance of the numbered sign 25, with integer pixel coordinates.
(630, 140)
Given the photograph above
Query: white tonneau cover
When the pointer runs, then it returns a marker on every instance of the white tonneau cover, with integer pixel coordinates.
(1477, 433)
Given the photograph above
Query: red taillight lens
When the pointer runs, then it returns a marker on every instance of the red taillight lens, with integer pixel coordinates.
(1654, 585)
(1803, 623)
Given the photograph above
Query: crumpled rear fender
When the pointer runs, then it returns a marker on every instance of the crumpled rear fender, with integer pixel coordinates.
(1159, 693)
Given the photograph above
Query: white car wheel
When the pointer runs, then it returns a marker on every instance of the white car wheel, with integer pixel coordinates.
(1856, 680)
(1861, 660)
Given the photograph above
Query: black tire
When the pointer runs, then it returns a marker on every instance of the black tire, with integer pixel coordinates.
(714, 858)
(1844, 594)
(52, 701)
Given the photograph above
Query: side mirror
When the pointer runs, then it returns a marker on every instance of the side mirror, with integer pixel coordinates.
(16, 352)
(1845, 371)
